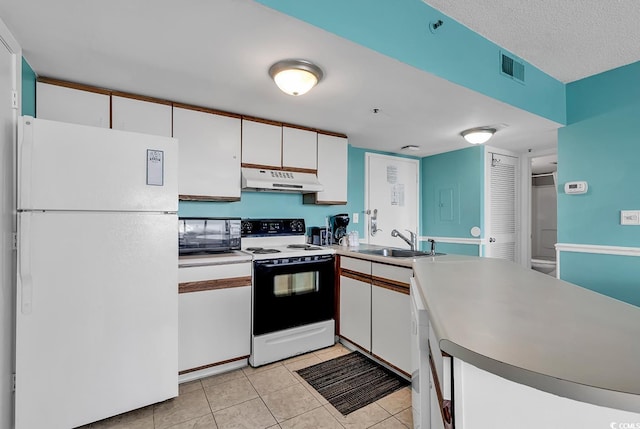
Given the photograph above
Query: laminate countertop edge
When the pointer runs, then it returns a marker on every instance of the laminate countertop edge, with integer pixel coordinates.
(533, 329)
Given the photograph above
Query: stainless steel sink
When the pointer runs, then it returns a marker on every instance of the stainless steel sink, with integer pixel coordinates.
(397, 253)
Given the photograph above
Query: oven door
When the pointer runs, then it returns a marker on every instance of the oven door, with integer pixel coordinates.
(292, 292)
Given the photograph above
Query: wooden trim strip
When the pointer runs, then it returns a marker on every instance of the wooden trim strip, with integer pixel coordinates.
(406, 374)
(260, 166)
(331, 133)
(355, 344)
(198, 368)
(445, 406)
(261, 120)
(300, 170)
(207, 110)
(74, 85)
(182, 197)
(201, 286)
(141, 98)
(355, 275)
(394, 286)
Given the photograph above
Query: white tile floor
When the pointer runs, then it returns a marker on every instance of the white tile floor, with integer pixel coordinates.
(272, 396)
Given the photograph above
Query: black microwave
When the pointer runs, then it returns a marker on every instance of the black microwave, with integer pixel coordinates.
(208, 235)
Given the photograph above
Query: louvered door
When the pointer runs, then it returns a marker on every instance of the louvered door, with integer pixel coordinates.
(501, 206)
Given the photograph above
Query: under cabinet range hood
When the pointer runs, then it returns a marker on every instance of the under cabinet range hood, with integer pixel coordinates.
(258, 179)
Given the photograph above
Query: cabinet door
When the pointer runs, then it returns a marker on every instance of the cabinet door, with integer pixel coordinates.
(355, 311)
(332, 170)
(261, 144)
(391, 327)
(76, 106)
(129, 114)
(209, 151)
(391, 315)
(214, 326)
(299, 148)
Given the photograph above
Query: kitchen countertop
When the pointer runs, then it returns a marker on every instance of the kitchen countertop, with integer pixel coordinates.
(233, 257)
(533, 329)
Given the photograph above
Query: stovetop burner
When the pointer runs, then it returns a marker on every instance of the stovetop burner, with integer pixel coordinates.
(303, 247)
(261, 250)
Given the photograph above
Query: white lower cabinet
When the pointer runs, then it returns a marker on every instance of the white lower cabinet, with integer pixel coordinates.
(375, 310)
(391, 327)
(355, 311)
(214, 315)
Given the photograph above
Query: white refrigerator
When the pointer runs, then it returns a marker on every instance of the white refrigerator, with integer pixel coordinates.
(97, 300)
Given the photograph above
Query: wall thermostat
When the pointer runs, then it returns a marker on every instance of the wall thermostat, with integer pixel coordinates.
(580, 187)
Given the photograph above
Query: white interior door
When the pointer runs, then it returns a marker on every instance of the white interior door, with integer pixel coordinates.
(391, 198)
(501, 206)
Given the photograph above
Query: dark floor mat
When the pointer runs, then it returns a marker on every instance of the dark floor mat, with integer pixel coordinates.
(351, 381)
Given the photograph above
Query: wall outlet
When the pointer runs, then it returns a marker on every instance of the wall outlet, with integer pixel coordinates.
(630, 217)
(356, 217)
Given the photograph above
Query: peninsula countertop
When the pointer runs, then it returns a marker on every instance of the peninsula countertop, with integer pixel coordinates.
(533, 329)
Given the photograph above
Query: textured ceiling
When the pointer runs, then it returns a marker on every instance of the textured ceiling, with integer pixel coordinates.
(567, 39)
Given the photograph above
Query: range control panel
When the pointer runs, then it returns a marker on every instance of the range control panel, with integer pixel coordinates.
(270, 227)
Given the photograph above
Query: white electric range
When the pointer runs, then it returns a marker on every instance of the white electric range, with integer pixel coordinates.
(293, 290)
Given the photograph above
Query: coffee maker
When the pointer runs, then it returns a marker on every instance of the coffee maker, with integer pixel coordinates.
(338, 226)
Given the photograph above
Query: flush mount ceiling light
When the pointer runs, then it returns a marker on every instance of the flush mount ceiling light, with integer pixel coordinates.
(295, 77)
(478, 135)
(411, 147)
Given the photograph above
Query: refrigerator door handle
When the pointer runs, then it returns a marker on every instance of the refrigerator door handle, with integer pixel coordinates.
(24, 269)
(25, 149)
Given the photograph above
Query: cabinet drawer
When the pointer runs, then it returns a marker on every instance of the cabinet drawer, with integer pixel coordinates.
(357, 265)
(200, 273)
(391, 272)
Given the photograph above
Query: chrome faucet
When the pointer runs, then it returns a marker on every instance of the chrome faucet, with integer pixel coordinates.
(410, 241)
(433, 247)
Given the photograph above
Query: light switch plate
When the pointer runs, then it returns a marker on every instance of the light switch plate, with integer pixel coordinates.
(356, 217)
(630, 217)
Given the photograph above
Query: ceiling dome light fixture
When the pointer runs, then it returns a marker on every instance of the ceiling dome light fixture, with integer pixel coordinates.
(295, 77)
(478, 135)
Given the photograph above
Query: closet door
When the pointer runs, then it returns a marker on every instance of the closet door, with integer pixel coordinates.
(501, 206)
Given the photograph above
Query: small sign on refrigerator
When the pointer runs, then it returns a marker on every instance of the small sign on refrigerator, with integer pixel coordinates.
(155, 167)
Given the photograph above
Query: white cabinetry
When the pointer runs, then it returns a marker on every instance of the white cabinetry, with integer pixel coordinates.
(214, 314)
(332, 171)
(261, 144)
(355, 301)
(375, 312)
(391, 315)
(141, 116)
(77, 106)
(299, 149)
(209, 155)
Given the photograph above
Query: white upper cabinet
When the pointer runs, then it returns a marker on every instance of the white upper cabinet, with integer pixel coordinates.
(76, 106)
(130, 114)
(209, 153)
(261, 144)
(332, 171)
(299, 149)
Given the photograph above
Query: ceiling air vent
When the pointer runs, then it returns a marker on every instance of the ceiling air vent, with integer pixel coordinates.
(511, 68)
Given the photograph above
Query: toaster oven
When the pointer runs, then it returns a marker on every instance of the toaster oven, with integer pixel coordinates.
(208, 235)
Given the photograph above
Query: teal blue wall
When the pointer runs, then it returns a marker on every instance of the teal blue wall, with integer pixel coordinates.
(601, 146)
(28, 89)
(603, 93)
(459, 175)
(453, 248)
(612, 275)
(400, 30)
